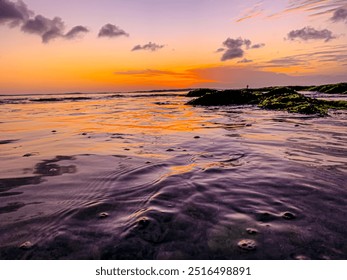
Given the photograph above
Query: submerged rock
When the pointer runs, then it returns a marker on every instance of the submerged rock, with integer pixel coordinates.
(251, 231)
(288, 216)
(103, 215)
(26, 245)
(247, 244)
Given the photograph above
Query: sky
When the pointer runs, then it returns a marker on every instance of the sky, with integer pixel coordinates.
(126, 45)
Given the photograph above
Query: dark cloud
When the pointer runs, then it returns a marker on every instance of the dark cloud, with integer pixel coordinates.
(13, 13)
(233, 48)
(110, 30)
(232, 53)
(340, 15)
(220, 50)
(49, 29)
(257, 46)
(245, 60)
(148, 47)
(309, 33)
(75, 31)
(235, 43)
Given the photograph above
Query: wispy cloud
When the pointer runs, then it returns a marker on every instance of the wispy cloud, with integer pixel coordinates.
(313, 7)
(252, 12)
(287, 61)
(148, 47)
(245, 60)
(340, 15)
(154, 72)
(185, 77)
(111, 31)
(333, 54)
(239, 77)
(17, 14)
(257, 46)
(310, 33)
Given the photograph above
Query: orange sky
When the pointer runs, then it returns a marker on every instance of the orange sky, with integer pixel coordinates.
(177, 45)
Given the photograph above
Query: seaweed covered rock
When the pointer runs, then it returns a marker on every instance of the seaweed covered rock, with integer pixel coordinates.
(292, 102)
(226, 97)
(200, 92)
(278, 98)
(332, 88)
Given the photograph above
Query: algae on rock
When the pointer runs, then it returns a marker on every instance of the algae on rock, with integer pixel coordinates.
(277, 98)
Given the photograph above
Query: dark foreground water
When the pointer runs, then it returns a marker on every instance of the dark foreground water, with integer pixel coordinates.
(143, 176)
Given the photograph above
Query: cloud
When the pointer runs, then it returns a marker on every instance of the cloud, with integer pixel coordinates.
(239, 77)
(309, 33)
(153, 73)
(257, 46)
(232, 53)
(245, 60)
(17, 14)
(252, 12)
(233, 48)
(75, 31)
(327, 54)
(48, 29)
(110, 30)
(313, 7)
(148, 47)
(13, 13)
(287, 61)
(220, 50)
(340, 15)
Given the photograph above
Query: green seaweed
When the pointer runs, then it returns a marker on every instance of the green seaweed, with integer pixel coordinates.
(331, 88)
(277, 98)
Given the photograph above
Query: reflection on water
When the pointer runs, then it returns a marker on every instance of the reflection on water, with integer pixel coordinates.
(147, 177)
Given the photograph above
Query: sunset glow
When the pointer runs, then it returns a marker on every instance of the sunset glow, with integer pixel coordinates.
(156, 44)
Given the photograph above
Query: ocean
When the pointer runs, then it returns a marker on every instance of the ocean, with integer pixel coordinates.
(144, 176)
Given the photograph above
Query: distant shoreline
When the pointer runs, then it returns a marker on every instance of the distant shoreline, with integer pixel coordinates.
(296, 87)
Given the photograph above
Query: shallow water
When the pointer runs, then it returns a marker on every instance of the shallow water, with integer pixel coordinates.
(143, 176)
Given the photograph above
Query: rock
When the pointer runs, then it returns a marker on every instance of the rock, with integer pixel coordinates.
(247, 244)
(28, 155)
(226, 97)
(288, 216)
(280, 98)
(200, 92)
(330, 88)
(26, 245)
(251, 231)
(196, 137)
(103, 215)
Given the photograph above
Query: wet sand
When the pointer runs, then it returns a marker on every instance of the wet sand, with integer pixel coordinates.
(143, 176)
